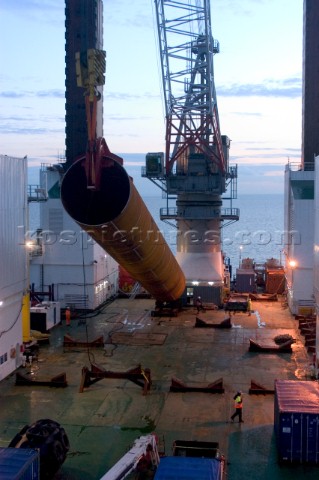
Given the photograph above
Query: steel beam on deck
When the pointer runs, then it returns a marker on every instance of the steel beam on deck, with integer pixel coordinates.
(137, 375)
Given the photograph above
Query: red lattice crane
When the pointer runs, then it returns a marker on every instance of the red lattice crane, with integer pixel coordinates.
(195, 167)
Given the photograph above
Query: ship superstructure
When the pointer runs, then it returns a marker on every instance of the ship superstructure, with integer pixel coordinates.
(300, 182)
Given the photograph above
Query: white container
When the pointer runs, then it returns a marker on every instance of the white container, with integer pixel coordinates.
(14, 271)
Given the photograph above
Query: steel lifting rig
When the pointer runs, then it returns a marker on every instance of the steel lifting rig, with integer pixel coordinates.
(137, 375)
(144, 451)
(90, 69)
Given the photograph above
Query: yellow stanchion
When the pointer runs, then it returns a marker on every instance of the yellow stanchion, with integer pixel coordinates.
(26, 318)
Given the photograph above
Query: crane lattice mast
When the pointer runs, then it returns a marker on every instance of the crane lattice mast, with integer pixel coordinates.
(186, 52)
(195, 167)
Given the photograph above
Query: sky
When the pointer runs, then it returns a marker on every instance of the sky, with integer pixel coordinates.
(258, 80)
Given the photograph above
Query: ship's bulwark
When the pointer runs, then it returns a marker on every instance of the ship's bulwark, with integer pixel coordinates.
(118, 220)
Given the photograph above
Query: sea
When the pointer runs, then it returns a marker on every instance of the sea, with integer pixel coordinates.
(257, 235)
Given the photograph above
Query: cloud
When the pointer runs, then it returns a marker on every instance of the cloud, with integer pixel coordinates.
(129, 96)
(54, 93)
(14, 130)
(295, 150)
(30, 125)
(139, 17)
(120, 135)
(48, 11)
(60, 93)
(247, 114)
(273, 159)
(31, 5)
(274, 173)
(238, 8)
(133, 164)
(289, 87)
(286, 88)
(23, 131)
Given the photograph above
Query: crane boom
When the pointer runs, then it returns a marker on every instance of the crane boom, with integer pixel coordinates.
(144, 448)
(195, 167)
(186, 52)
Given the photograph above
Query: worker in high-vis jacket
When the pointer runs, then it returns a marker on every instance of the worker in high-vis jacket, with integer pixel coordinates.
(238, 399)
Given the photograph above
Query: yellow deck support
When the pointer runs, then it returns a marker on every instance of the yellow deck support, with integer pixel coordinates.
(26, 336)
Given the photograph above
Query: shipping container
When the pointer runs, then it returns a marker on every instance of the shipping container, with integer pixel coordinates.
(192, 448)
(13, 260)
(45, 316)
(19, 464)
(189, 468)
(296, 421)
(245, 280)
(275, 280)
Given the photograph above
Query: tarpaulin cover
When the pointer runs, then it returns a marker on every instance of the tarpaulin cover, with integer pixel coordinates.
(188, 468)
(297, 396)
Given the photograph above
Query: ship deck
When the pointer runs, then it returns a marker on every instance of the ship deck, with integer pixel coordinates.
(103, 421)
